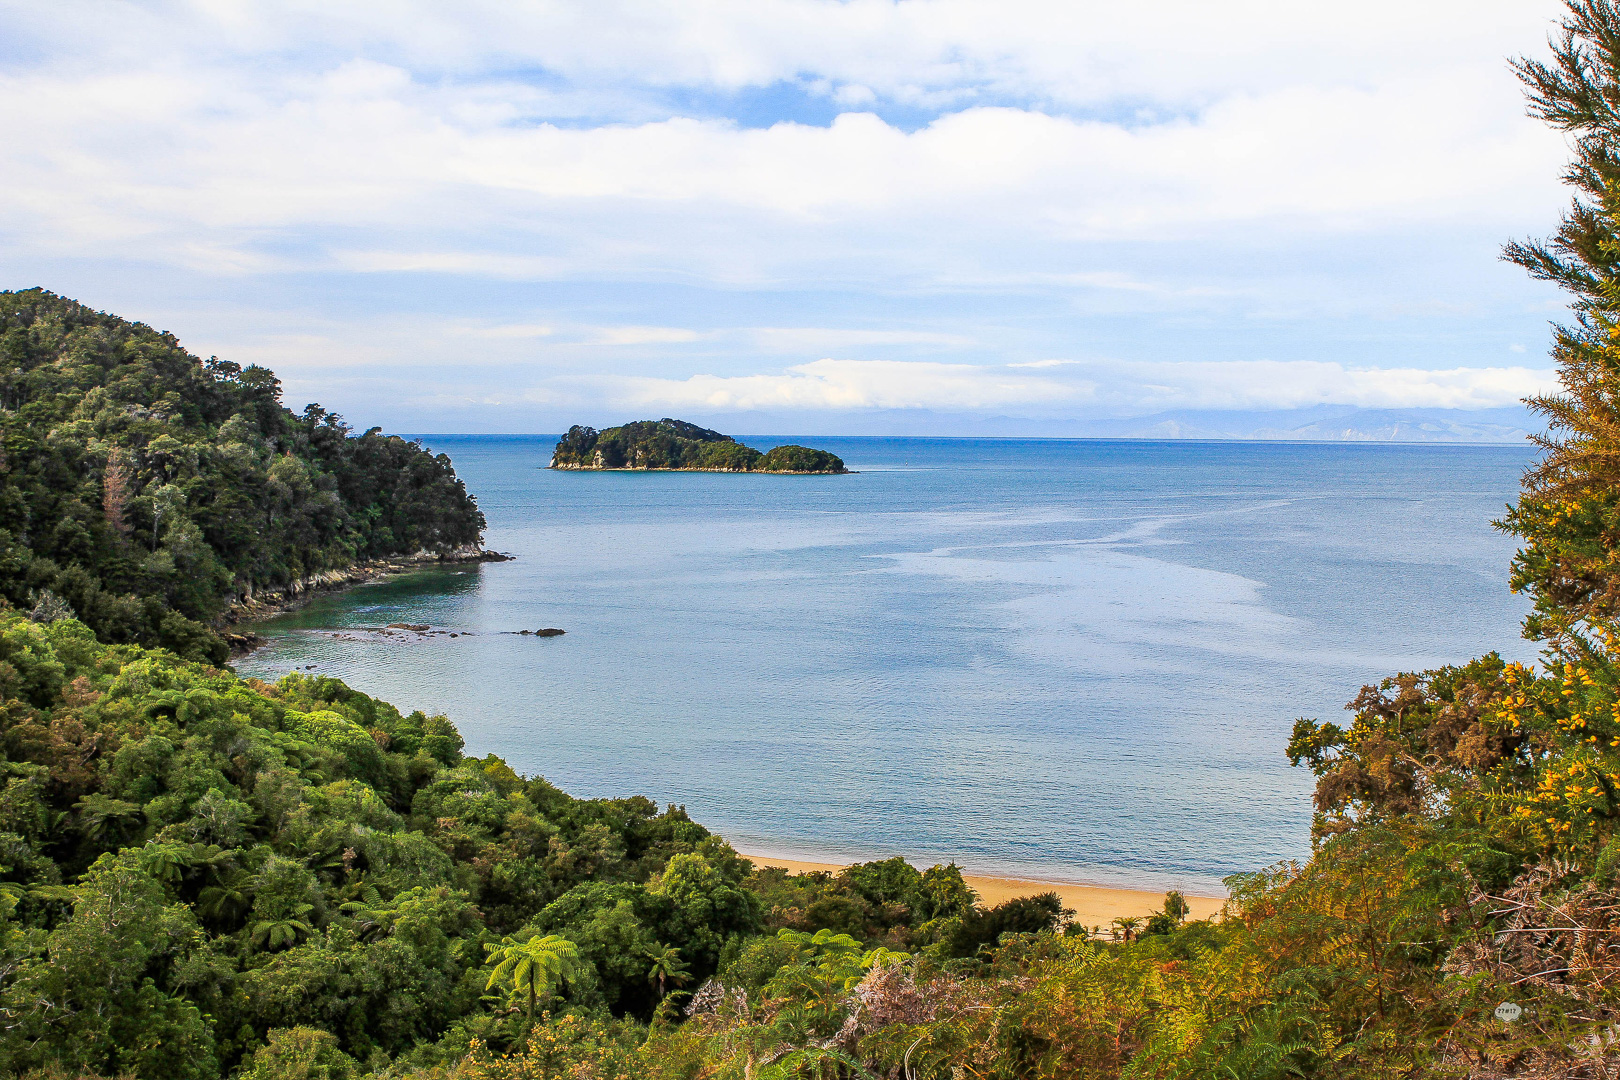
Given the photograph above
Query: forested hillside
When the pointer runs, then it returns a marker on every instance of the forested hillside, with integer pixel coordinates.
(144, 489)
(201, 874)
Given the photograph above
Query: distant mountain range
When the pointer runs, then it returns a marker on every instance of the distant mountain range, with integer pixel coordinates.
(1329, 424)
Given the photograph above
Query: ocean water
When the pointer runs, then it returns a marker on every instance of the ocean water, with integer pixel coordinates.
(1072, 660)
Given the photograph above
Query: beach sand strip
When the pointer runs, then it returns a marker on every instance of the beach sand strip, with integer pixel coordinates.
(1093, 905)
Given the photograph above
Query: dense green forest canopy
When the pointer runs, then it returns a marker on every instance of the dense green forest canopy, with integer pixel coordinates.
(146, 489)
(202, 874)
(676, 444)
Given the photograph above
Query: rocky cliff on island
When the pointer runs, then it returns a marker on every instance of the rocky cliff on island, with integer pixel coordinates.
(677, 445)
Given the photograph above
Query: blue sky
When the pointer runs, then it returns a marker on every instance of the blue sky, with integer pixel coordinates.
(795, 215)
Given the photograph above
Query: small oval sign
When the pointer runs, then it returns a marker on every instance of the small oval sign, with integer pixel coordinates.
(1508, 1011)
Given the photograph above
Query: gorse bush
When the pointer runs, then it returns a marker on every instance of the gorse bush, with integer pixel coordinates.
(142, 489)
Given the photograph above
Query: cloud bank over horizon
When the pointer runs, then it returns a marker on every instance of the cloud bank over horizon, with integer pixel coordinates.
(516, 214)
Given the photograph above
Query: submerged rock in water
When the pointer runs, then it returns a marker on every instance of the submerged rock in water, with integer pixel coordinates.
(244, 643)
(420, 628)
(550, 631)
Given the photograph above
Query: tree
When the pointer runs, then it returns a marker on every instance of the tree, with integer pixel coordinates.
(891, 881)
(559, 1047)
(667, 969)
(697, 904)
(823, 943)
(165, 862)
(943, 893)
(99, 996)
(300, 1053)
(104, 819)
(228, 898)
(167, 502)
(284, 893)
(282, 931)
(1569, 512)
(978, 927)
(115, 486)
(532, 970)
(49, 608)
(1171, 916)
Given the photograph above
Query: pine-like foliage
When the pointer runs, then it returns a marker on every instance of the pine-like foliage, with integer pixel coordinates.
(1569, 514)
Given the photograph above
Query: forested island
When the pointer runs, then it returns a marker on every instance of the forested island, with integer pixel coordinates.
(145, 491)
(677, 445)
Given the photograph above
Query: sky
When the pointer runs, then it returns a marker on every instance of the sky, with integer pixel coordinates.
(795, 216)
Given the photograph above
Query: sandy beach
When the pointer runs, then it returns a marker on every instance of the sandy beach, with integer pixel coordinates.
(1093, 904)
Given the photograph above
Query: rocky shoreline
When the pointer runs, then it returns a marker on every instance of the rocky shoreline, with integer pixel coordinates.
(256, 605)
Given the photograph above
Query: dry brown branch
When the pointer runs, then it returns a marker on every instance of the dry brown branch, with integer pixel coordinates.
(115, 483)
(1558, 943)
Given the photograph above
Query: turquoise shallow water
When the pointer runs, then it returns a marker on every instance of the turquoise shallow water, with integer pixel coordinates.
(1070, 660)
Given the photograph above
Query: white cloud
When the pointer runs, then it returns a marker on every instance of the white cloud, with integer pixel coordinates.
(550, 188)
(473, 263)
(954, 51)
(1265, 384)
(519, 331)
(807, 338)
(1126, 389)
(367, 166)
(847, 384)
(641, 335)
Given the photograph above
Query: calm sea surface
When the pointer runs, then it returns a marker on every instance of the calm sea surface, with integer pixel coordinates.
(1071, 660)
